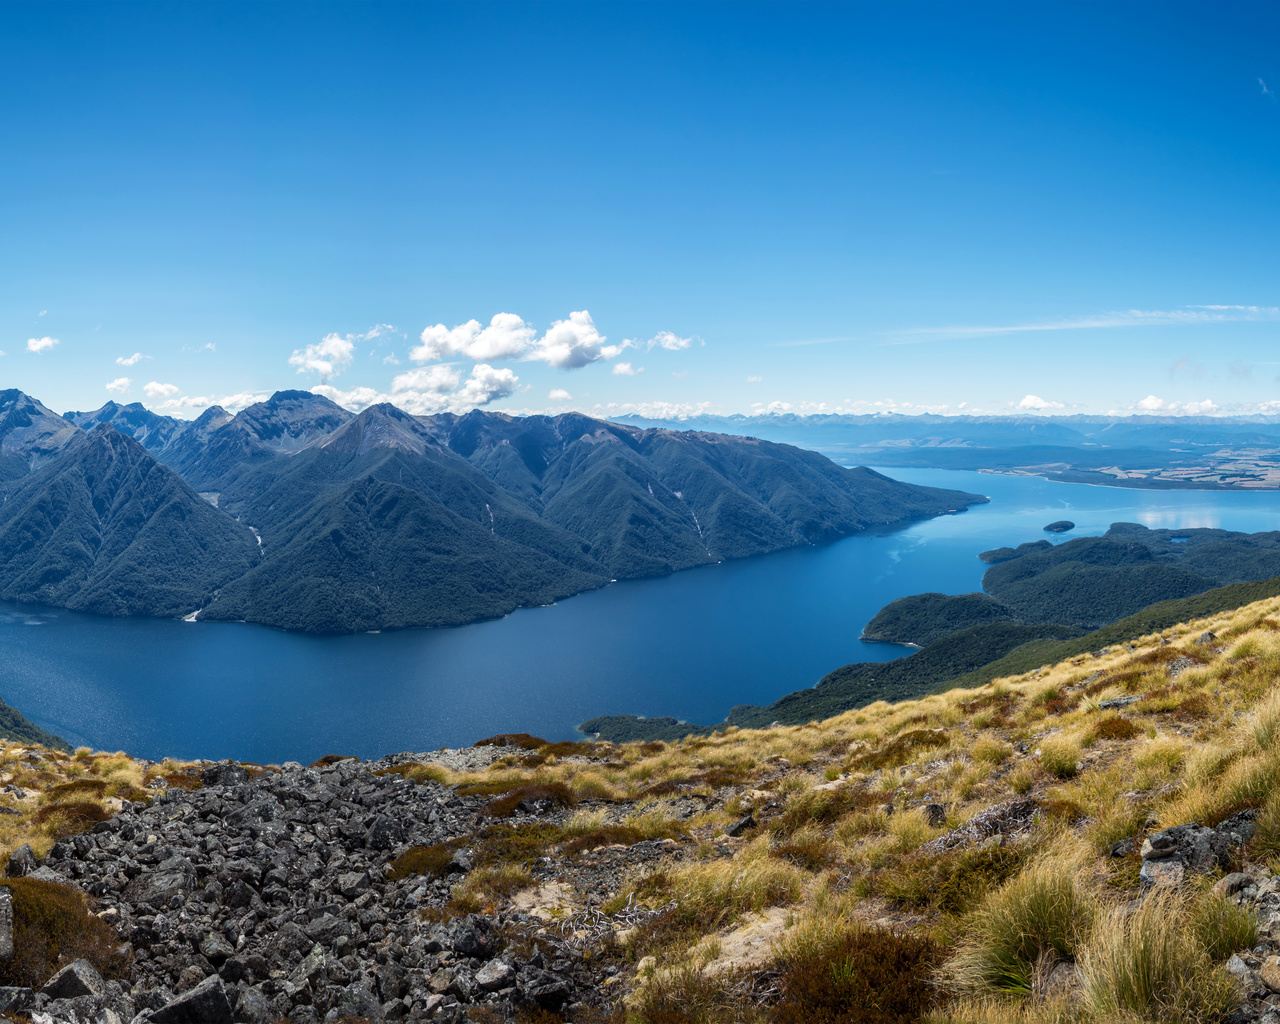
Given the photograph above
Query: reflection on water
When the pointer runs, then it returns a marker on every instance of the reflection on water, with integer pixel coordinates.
(690, 645)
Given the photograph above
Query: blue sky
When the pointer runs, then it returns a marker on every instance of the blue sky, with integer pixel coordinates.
(959, 207)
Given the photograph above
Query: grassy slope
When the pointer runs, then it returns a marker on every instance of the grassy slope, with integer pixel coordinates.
(825, 872)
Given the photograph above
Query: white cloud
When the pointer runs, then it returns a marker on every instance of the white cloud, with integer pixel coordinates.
(435, 379)
(157, 390)
(626, 370)
(654, 410)
(428, 391)
(559, 395)
(120, 385)
(573, 343)
(754, 380)
(485, 385)
(1038, 404)
(45, 312)
(1152, 404)
(671, 342)
(232, 403)
(1185, 315)
(132, 360)
(327, 357)
(390, 359)
(41, 344)
(506, 337)
(1265, 90)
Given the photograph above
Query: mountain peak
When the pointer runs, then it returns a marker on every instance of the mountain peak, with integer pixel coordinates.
(380, 426)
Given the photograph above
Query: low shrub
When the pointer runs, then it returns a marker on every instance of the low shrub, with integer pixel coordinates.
(329, 759)
(1114, 727)
(512, 739)
(432, 861)
(855, 975)
(514, 844)
(555, 793)
(418, 773)
(52, 926)
(70, 818)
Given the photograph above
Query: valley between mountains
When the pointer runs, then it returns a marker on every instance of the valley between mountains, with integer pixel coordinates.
(298, 514)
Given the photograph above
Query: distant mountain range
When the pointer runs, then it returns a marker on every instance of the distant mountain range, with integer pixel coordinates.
(298, 514)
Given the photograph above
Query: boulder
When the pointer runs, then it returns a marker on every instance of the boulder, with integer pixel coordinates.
(170, 878)
(494, 975)
(6, 924)
(1172, 854)
(225, 773)
(207, 1003)
(385, 833)
(21, 862)
(78, 978)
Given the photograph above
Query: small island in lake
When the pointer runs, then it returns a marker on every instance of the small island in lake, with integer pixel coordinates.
(1061, 526)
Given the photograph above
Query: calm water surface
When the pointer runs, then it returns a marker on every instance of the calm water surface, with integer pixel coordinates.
(690, 645)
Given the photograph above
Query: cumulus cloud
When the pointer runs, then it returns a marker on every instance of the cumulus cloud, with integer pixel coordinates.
(132, 360)
(120, 385)
(1153, 404)
(232, 403)
(559, 395)
(41, 344)
(430, 390)
(155, 389)
(506, 337)
(327, 357)
(626, 370)
(436, 379)
(567, 344)
(486, 384)
(1037, 404)
(671, 342)
(573, 343)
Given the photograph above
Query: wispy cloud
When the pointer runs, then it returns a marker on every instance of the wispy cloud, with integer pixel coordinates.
(1185, 315)
(1265, 91)
(132, 360)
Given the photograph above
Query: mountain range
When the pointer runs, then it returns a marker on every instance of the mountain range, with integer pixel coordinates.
(298, 514)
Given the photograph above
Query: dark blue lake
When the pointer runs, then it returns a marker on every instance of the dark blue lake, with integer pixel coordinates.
(690, 645)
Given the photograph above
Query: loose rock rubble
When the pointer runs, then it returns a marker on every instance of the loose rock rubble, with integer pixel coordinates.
(251, 899)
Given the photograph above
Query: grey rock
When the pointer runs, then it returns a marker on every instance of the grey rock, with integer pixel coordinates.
(358, 1000)
(226, 773)
(472, 938)
(385, 833)
(935, 815)
(207, 1003)
(16, 1000)
(1120, 702)
(215, 948)
(494, 975)
(1123, 847)
(174, 876)
(740, 826)
(1229, 885)
(254, 1008)
(6, 924)
(78, 978)
(21, 862)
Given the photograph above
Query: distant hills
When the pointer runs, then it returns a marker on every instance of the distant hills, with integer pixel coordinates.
(298, 514)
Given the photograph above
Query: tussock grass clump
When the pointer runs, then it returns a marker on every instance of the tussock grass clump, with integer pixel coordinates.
(823, 807)
(69, 818)
(514, 844)
(556, 793)
(1044, 910)
(486, 886)
(840, 974)
(1221, 927)
(512, 739)
(809, 848)
(954, 883)
(52, 926)
(1059, 755)
(902, 748)
(1141, 963)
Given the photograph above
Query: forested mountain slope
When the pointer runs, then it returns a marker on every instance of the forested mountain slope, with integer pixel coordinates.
(102, 527)
(385, 520)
